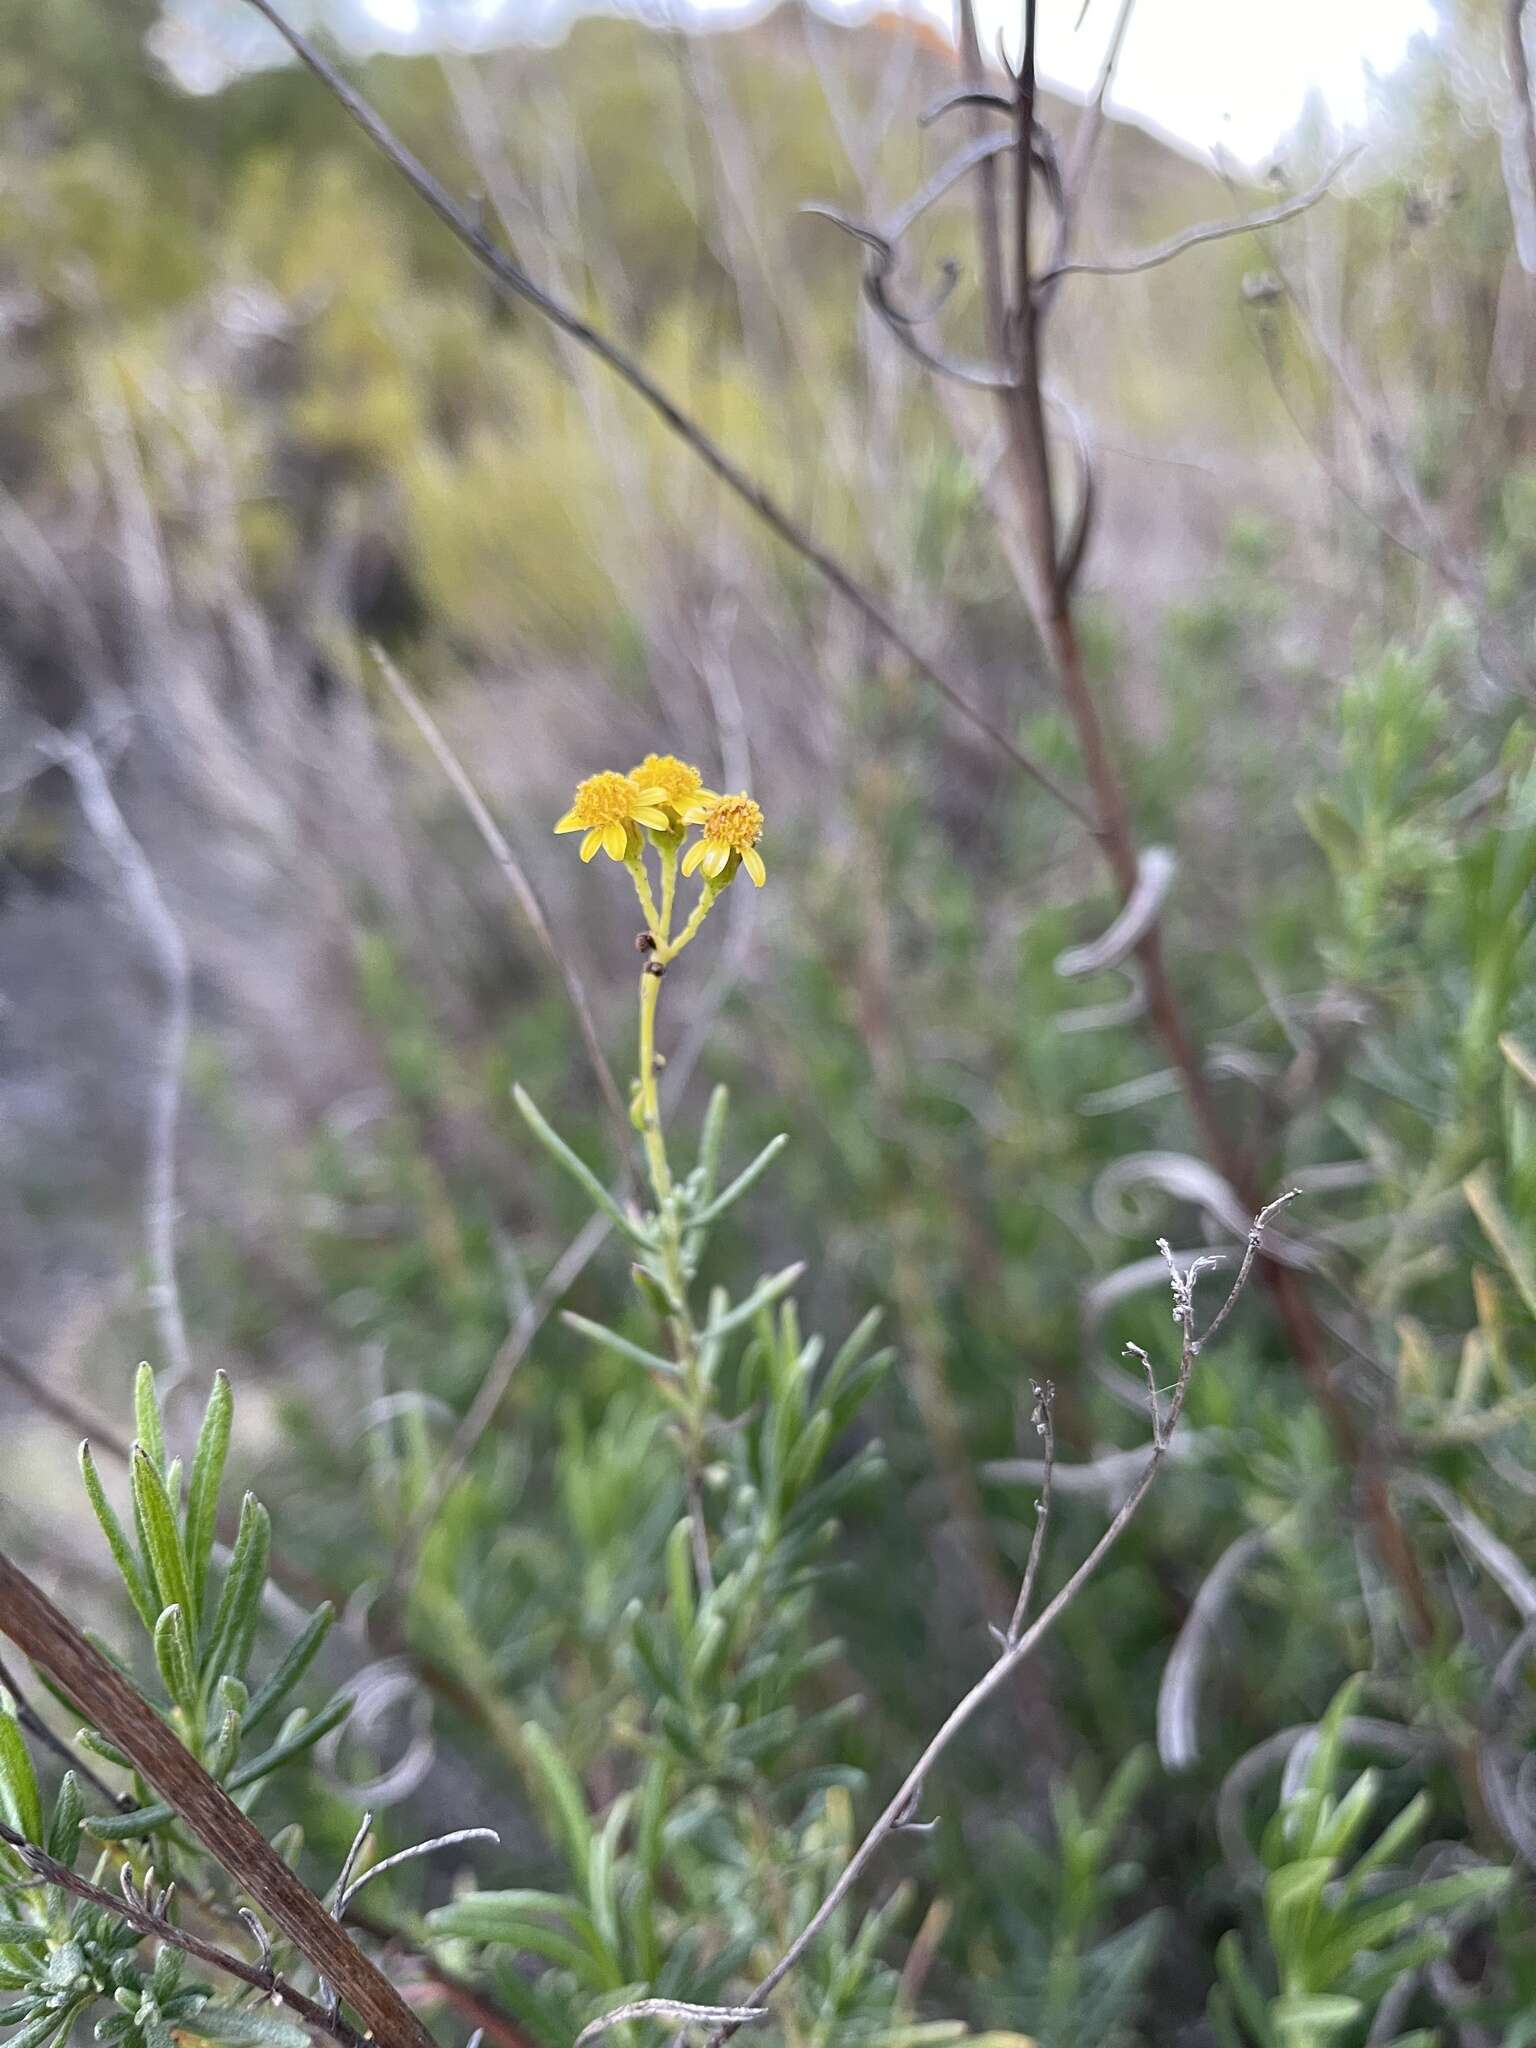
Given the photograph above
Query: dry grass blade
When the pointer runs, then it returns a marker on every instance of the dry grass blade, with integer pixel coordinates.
(516, 879)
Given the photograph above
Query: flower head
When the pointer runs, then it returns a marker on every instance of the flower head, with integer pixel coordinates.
(729, 829)
(608, 808)
(679, 781)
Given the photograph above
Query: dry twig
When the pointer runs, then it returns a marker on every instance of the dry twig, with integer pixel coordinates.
(903, 1802)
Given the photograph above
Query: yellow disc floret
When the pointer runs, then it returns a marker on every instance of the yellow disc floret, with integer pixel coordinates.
(679, 781)
(608, 808)
(729, 829)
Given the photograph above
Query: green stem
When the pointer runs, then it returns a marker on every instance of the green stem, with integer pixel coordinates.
(642, 882)
(706, 903)
(650, 1101)
(669, 854)
(669, 1243)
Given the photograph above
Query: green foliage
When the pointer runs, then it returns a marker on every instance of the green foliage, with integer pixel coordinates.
(62, 1958)
(203, 1646)
(1341, 1926)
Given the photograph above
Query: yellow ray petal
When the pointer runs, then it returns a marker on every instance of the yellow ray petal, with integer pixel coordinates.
(752, 861)
(648, 814)
(716, 854)
(569, 823)
(615, 841)
(592, 842)
(693, 856)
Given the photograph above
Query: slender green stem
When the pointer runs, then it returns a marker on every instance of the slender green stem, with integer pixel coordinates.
(706, 903)
(650, 1100)
(669, 854)
(642, 882)
(673, 1273)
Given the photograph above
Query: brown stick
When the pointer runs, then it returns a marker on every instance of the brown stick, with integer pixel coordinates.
(110, 1704)
(1023, 411)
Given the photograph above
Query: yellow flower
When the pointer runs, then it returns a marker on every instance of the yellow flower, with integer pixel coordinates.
(729, 829)
(607, 807)
(680, 782)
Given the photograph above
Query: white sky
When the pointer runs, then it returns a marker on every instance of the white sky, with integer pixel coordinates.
(1224, 73)
(1229, 74)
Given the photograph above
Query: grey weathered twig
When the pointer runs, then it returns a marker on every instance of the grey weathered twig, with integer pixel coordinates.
(1193, 238)
(1045, 1428)
(512, 278)
(670, 2009)
(901, 1804)
(99, 806)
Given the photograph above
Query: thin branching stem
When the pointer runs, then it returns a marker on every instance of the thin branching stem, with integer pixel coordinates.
(903, 1802)
(1046, 1430)
(1194, 238)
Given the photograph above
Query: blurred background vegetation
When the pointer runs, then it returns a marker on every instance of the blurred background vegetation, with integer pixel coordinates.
(256, 410)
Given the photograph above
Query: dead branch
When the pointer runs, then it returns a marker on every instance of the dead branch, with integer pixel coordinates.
(903, 1802)
(1194, 238)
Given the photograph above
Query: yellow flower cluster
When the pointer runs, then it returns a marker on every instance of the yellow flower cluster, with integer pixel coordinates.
(666, 796)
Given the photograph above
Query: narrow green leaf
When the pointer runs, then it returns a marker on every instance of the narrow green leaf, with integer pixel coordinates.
(64, 1825)
(146, 1416)
(173, 1654)
(19, 1798)
(269, 1697)
(235, 1618)
(764, 1295)
(747, 1178)
(53, 2024)
(1244, 1990)
(166, 1555)
(576, 1167)
(243, 2026)
(122, 1553)
(1394, 1838)
(203, 1489)
(567, 1808)
(712, 1140)
(680, 1578)
(1482, 1199)
(610, 1340)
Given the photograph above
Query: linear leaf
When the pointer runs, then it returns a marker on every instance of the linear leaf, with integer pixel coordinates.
(122, 1552)
(575, 1166)
(166, 1553)
(234, 1620)
(269, 1697)
(203, 1487)
(19, 1795)
(146, 1415)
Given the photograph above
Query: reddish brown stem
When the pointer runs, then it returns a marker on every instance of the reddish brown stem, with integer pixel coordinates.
(1024, 414)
